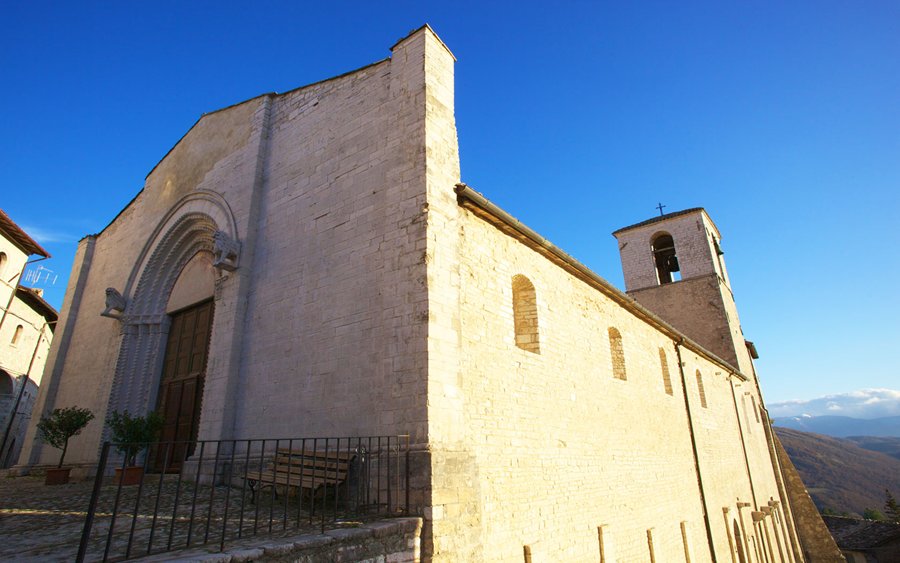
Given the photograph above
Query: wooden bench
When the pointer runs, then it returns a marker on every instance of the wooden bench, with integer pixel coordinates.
(305, 469)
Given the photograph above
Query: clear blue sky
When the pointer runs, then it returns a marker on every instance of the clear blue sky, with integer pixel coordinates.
(781, 119)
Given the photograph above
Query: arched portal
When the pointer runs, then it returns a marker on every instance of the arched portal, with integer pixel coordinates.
(194, 242)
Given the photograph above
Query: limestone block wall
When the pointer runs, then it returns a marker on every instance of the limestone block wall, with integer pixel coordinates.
(395, 540)
(453, 511)
(336, 338)
(695, 307)
(733, 456)
(559, 447)
(817, 543)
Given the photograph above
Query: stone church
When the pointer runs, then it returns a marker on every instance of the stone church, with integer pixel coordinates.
(314, 262)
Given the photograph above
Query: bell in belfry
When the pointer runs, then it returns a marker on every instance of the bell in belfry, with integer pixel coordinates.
(672, 263)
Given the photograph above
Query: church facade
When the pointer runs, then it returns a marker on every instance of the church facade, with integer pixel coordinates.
(314, 264)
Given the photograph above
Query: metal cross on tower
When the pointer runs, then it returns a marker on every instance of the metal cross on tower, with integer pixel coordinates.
(660, 207)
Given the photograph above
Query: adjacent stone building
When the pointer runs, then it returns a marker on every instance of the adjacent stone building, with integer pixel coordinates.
(26, 331)
(866, 541)
(316, 257)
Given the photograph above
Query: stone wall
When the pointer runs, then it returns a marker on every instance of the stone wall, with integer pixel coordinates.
(695, 307)
(816, 542)
(386, 541)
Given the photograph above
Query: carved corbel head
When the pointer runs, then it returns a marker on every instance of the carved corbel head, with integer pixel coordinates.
(227, 251)
(115, 304)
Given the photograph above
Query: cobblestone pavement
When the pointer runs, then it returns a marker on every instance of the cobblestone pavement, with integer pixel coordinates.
(41, 523)
(44, 523)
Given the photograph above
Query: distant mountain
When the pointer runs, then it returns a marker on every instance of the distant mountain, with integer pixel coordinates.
(838, 473)
(842, 426)
(885, 445)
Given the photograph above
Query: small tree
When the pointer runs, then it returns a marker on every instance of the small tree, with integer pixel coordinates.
(891, 508)
(872, 514)
(62, 424)
(130, 434)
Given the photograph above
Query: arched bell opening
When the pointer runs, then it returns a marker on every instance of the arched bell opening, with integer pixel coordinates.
(665, 258)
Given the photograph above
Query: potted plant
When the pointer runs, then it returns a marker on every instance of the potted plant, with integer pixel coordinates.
(131, 434)
(56, 429)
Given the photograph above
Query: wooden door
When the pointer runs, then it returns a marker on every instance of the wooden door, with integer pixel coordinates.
(181, 386)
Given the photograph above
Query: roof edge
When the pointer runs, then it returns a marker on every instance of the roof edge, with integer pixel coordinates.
(427, 27)
(467, 197)
(38, 303)
(662, 217)
(258, 96)
(20, 238)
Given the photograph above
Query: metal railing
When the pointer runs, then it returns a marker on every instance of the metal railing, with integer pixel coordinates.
(216, 491)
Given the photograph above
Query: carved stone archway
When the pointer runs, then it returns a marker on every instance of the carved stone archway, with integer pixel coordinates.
(200, 222)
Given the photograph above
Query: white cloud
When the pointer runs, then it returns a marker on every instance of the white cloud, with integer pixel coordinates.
(46, 236)
(863, 403)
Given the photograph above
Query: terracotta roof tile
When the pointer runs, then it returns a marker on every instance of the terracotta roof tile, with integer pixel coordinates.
(19, 237)
(851, 533)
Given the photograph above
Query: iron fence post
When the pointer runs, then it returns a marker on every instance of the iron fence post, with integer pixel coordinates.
(92, 505)
(406, 477)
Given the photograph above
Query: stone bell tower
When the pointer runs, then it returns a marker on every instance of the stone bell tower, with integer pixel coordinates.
(674, 266)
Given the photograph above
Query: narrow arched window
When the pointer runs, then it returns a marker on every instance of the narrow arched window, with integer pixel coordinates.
(746, 415)
(667, 269)
(617, 352)
(664, 365)
(525, 314)
(2, 262)
(16, 335)
(701, 390)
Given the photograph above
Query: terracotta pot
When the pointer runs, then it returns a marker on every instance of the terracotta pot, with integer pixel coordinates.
(130, 475)
(57, 476)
